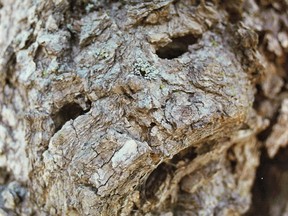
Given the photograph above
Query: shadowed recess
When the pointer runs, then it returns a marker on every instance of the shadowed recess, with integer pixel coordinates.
(5, 176)
(155, 179)
(159, 175)
(270, 191)
(177, 47)
(9, 66)
(66, 113)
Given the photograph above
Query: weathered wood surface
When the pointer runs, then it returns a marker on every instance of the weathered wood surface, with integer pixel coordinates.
(138, 107)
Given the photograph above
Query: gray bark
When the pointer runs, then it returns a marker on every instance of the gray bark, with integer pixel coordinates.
(137, 107)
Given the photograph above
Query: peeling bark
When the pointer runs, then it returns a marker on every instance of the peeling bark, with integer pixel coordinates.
(139, 107)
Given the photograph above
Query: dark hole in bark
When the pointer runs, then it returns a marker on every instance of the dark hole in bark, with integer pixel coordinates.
(233, 164)
(231, 157)
(66, 113)
(143, 73)
(261, 37)
(187, 154)
(158, 176)
(177, 47)
(234, 16)
(5, 175)
(270, 191)
(234, 9)
(232, 160)
(195, 2)
(155, 179)
(10, 68)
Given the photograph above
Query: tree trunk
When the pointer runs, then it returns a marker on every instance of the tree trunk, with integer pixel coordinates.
(143, 107)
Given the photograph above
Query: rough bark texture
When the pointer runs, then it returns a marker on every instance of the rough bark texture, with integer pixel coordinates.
(143, 107)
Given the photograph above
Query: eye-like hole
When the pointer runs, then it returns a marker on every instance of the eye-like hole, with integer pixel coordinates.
(66, 113)
(155, 179)
(177, 47)
(158, 176)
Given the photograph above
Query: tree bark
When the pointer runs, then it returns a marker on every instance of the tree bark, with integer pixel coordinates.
(140, 107)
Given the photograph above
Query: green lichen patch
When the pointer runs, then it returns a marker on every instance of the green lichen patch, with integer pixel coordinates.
(145, 69)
